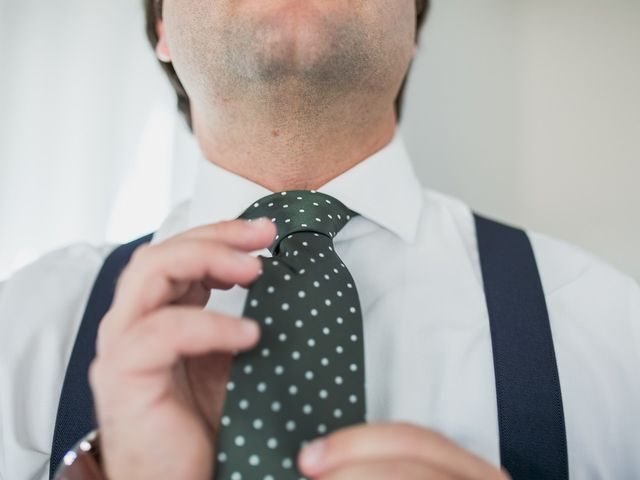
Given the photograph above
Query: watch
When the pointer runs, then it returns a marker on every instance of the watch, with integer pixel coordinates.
(83, 461)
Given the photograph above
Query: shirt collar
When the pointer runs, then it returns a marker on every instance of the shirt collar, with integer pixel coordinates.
(383, 188)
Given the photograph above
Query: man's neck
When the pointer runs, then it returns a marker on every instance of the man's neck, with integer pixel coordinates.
(293, 148)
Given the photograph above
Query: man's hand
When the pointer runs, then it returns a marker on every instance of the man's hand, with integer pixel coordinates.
(162, 362)
(391, 450)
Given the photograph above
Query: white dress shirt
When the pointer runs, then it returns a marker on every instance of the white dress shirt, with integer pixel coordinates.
(428, 358)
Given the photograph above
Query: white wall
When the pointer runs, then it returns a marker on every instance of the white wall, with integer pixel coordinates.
(528, 110)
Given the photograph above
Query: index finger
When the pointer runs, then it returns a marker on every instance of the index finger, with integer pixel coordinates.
(231, 232)
(156, 274)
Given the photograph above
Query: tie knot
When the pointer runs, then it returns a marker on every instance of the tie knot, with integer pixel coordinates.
(301, 211)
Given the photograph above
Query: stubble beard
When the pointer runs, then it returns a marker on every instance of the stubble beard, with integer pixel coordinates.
(312, 70)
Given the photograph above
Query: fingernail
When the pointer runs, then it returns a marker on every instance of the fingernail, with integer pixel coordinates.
(257, 222)
(312, 454)
(249, 327)
(245, 257)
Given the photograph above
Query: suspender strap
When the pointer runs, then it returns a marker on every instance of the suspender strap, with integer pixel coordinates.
(75, 416)
(533, 442)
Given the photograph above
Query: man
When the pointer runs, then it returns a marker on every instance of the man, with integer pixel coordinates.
(292, 96)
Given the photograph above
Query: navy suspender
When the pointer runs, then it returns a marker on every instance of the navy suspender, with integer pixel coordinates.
(75, 416)
(530, 414)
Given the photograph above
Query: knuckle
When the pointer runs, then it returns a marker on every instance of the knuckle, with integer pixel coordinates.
(125, 273)
(166, 328)
(96, 372)
(173, 331)
(102, 336)
(159, 324)
(103, 326)
(133, 265)
(142, 252)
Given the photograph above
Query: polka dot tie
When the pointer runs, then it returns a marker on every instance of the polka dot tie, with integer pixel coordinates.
(305, 378)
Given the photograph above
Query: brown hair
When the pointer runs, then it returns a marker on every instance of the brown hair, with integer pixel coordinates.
(153, 13)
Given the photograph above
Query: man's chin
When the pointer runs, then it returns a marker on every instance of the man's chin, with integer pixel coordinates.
(305, 34)
(295, 44)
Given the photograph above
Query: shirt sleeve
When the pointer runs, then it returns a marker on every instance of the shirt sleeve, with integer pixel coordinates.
(41, 306)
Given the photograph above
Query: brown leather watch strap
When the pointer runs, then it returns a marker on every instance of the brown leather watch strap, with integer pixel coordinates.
(83, 462)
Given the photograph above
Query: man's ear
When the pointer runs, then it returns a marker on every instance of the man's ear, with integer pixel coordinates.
(162, 49)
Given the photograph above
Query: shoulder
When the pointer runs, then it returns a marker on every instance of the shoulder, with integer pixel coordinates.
(64, 270)
(594, 310)
(43, 300)
(571, 275)
(594, 315)
(565, 267)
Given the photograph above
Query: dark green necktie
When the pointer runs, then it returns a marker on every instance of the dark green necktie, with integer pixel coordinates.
(305, 378)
